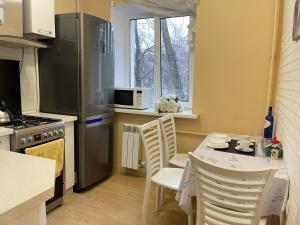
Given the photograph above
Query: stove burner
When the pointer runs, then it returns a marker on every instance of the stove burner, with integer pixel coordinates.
(28, 121)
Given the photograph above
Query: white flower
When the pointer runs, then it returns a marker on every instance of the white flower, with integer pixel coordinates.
(168, 104)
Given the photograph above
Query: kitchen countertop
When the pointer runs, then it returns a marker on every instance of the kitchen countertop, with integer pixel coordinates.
(65, 118)
(186, 114)
(5, 131)
(25, 183)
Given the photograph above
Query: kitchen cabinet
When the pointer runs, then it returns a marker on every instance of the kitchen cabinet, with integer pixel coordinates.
(39, 20)
(5, 143)
(28, 208)
(35, 216)
(69, 155)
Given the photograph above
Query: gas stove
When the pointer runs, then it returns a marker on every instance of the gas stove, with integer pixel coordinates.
(24, 122)
(30, 131)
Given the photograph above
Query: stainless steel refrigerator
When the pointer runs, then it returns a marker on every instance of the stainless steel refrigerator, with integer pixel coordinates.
(77, 78)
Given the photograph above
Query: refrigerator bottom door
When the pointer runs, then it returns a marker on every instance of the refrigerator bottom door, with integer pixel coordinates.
(95, 152)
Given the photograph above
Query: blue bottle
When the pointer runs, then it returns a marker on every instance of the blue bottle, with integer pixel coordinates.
(268, 131)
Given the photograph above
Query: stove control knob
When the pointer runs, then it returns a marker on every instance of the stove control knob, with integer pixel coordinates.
(61, 131)
(23, 141)
(55, 132)
(50, 134)
(45, 135)
(30, 139)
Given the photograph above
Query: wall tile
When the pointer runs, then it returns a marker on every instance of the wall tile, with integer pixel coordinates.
(29, 95)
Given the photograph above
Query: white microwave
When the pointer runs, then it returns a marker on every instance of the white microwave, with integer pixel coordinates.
(133, 98)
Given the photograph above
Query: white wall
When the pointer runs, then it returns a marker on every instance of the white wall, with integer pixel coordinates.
(29, 92)
(288, 110)
(120, 16)
(120, 26)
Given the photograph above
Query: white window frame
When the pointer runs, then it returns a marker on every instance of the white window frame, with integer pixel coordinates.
(157, 75)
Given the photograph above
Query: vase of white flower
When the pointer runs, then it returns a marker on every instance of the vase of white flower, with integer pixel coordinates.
(168, 104)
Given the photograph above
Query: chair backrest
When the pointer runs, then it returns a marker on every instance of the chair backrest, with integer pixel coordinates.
(167, 124)
(228, 196)
(152, 140)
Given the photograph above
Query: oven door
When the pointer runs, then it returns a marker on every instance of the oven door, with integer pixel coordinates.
(95, 151)
(57, 199)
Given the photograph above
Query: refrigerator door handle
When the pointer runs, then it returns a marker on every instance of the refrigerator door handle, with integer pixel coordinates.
(100, 120)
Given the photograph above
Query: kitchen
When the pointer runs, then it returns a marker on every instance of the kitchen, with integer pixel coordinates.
(257, 68)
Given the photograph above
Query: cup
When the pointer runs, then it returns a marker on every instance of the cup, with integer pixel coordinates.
(244, 138)
(259, 146)
(243, 144)
(220, 137)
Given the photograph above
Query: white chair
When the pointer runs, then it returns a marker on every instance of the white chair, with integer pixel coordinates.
(163, 177)
(227, 196)
(167, 124)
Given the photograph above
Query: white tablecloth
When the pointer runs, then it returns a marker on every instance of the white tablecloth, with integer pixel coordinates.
(276, 197)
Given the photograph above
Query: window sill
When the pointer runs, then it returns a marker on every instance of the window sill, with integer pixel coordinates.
(186, 114)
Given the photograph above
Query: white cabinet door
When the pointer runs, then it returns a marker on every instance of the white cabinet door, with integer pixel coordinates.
(69, 155)
(39, 18)
(35, 216)
(5, 143)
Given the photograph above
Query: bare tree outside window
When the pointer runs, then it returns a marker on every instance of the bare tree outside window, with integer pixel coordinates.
(142, 52)
(174, 55)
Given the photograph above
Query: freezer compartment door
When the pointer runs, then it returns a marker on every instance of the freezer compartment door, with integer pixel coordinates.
(95, 152)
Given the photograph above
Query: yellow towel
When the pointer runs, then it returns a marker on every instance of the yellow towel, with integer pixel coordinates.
(51, 150)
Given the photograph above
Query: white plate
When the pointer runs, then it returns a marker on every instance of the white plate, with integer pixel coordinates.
(217, 146)
(244, 150)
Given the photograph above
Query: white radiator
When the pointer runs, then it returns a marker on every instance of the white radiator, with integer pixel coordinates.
(131, 146)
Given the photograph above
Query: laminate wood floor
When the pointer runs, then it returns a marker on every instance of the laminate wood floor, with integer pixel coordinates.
(116, 201)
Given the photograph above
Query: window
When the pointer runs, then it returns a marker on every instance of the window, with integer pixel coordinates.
(142, 44)
(160, 57)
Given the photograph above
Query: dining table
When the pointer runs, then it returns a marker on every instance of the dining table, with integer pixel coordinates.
(276, 197)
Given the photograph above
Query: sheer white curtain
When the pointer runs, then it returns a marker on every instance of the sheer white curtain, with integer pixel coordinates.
(172, 8)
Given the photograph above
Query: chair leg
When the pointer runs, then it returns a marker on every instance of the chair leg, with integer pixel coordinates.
(162, 196)
(190, 216)
(158, 198)
(199, 220)
(146, 202)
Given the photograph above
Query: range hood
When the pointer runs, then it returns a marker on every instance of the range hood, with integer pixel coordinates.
(14, 41)
(11, 25)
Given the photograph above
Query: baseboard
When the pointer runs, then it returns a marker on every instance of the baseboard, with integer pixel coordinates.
(140, 172)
